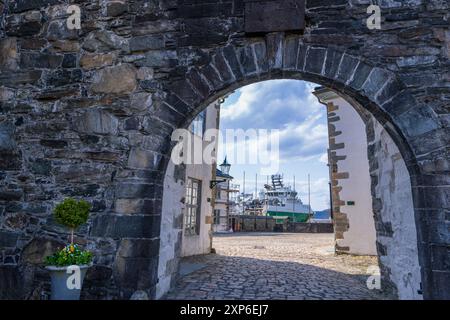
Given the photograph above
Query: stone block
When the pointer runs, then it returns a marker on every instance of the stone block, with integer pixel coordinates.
(440, 257)
(440, 282)
(126, 226)
(272, 16)
(401, 103)
(91, 61)
(144, 43)
(53, 143)
(98, 274)
(98, 122)
(116, 8)
(138, 248)
(301, 56)
(135, 190)
(64, 77)
(141, 101)
(20, 77)
(390, 90)
(417, 121)
(135, 206)
(84, 190)
(40, 60)
(27, 5)
(135, 273)
(7, 141)
(360, 76)
(11, 283)
(57, 30)
(261, 56)
(139, 295)
(143, 159)
(290, 53)
(117, 79)
(274, 48)
(158, 59)
(8, 54)
(196, 10)
(39, 248)
(23, 28)
(41, 167)
(231, 58)
(376, 80)
(346, 68)
(314, 60)
(247, 60)
(10, 195)
(183, 90)
(222, 67)
(105, 41)
(211, 75)
(8, 239)
(131, 124)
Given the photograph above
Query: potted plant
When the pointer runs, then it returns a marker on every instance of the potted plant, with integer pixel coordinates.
(69, 265)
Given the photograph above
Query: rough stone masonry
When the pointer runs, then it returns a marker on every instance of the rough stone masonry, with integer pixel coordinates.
(88, 113)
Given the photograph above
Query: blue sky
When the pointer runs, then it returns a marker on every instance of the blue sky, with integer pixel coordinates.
(290, 107)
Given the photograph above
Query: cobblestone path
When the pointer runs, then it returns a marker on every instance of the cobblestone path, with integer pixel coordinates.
(275, 266)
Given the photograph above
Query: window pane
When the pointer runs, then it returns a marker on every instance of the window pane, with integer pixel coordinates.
(198, 124)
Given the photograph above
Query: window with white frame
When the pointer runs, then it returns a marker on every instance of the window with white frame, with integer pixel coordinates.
(218, 192)
(192, 212)
(216, 216)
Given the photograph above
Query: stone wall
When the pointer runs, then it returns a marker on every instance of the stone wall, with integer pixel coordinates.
(268, 224)
(88, 113)
(394, 215)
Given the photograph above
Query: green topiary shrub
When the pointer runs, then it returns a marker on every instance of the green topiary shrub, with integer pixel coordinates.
(72, 213)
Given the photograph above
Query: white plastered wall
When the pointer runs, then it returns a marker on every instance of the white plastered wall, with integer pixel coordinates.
(173, 242)
(360, 237)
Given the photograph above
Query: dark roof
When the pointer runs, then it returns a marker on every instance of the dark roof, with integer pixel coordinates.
(219, 173)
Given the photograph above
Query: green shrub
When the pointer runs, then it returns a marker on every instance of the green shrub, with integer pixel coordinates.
(72, 213)
(68, 256)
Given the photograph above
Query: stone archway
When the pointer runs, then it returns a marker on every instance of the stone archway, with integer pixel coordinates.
(233, 67)
(69, 128)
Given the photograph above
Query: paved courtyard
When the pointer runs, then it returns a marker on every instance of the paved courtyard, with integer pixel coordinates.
(274, 266)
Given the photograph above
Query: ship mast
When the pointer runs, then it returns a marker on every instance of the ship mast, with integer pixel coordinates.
(243, 197)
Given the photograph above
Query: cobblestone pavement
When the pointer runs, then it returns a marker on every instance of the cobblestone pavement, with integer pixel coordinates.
(275, 266)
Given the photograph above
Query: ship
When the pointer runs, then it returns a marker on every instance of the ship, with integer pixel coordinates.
(282, 202)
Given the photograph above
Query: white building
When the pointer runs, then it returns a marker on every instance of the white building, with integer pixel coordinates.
(360, 203)
(187, 209)
(351, 195)
(225, 199)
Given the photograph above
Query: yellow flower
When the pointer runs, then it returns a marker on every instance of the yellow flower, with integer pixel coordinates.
(72, 248)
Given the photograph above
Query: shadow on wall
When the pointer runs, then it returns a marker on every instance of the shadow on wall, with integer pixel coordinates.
(234, 278)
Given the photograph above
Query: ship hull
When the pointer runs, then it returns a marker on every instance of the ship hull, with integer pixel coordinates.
(294, 216)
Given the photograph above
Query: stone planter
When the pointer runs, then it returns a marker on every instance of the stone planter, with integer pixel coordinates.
(61, 289)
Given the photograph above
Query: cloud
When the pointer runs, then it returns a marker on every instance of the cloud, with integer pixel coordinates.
(324, 158)
(285, 105)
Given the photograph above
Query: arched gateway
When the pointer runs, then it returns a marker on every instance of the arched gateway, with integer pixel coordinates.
(89, 113)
